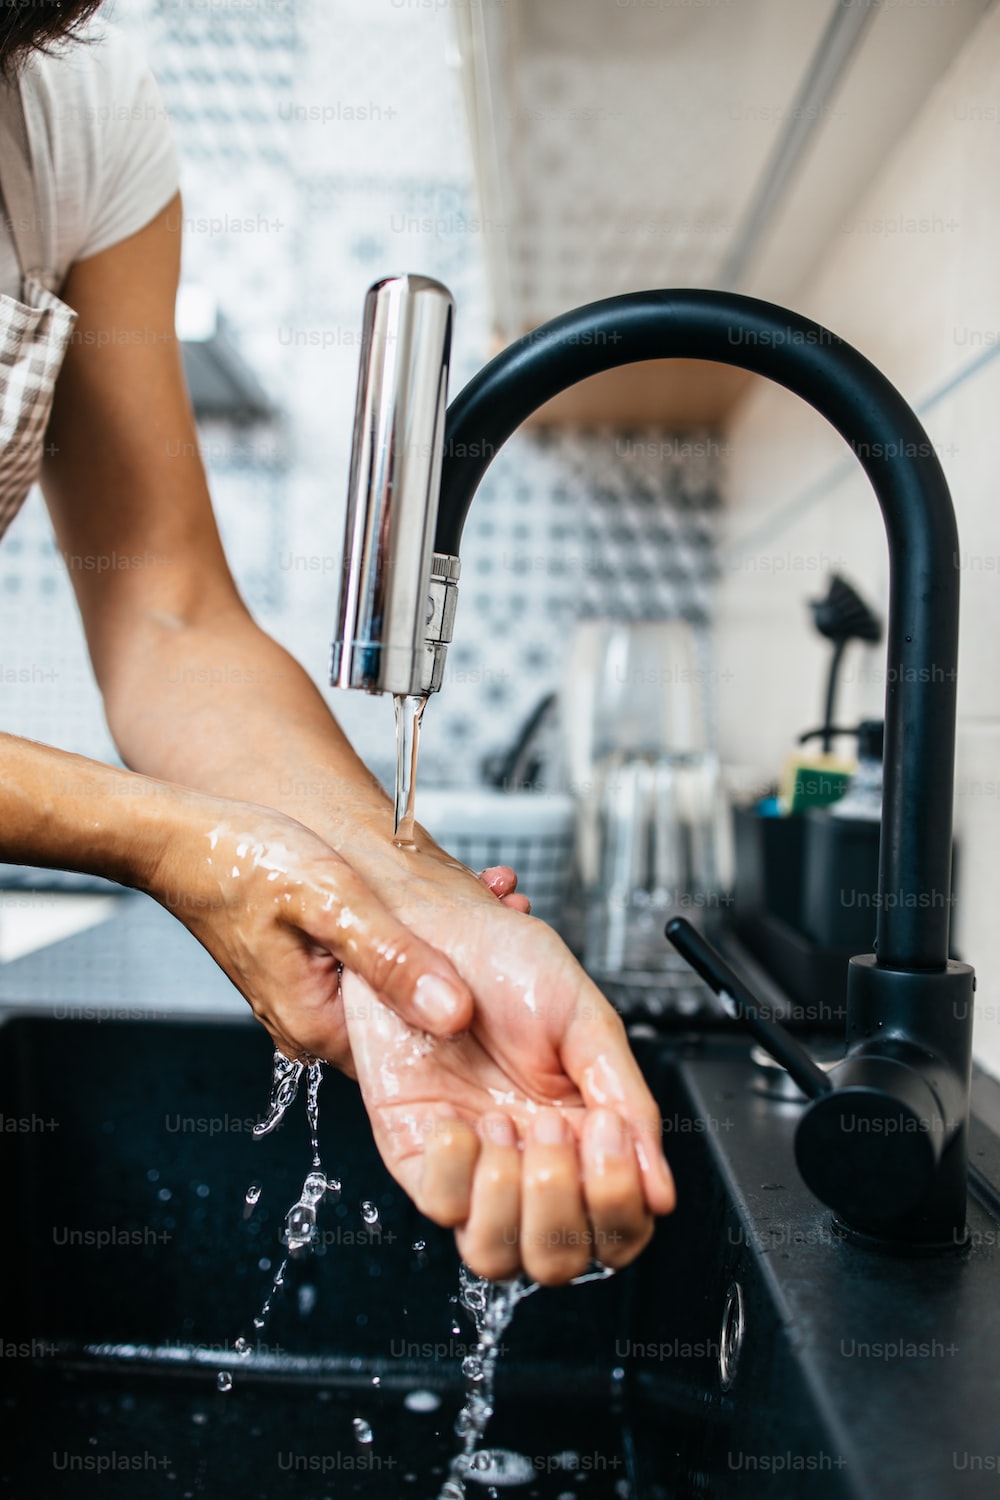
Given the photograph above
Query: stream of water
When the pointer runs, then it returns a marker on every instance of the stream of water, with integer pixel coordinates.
(409, 712)
(300, 1232)
(491, 1305)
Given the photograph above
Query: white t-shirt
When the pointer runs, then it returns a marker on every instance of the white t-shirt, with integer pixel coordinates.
(101, 147)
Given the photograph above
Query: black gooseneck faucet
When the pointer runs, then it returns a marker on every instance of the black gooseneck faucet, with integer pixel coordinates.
(885, 1144)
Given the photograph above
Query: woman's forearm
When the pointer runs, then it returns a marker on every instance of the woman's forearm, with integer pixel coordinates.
(70, 813)
(222, 708)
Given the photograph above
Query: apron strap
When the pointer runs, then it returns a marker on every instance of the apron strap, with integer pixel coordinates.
(17, 184)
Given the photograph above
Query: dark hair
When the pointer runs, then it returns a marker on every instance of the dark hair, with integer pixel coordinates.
(30, 25)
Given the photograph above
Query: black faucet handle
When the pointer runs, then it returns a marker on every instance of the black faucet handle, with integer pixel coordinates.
(743, 1005)
(871, 1141)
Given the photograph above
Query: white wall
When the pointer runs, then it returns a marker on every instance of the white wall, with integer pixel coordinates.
(913, 280)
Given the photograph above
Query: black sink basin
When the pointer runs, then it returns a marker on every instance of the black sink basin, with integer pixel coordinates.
(749, 1352)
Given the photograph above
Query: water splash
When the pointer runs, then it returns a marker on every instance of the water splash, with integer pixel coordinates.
(300, 1232)
(285, 1075)
(260, 1321)
(313, 1080)
(409, 711)
(492, 1305)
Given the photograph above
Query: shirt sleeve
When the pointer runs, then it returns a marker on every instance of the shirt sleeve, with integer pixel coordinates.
(137, 171)
(102, 148)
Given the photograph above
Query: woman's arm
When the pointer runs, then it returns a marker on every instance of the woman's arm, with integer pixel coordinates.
(196, 694)
(194, 691)
(277, 908)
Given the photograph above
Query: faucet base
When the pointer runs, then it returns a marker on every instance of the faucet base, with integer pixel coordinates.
(907, 1249)
(886, 1149)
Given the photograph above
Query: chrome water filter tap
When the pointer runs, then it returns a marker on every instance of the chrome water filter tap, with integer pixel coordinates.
(397, 603)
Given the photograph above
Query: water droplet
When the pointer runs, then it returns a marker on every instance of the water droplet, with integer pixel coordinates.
(362, 1431)
(499, 1466)
(300, 1227)
(242, 1348)
(202, 1190)
(252, 1195)
(369, 1212)
(421, 1401)
(472, 1367)
(284, 1086)
(258, 1321)
(376, 1380)
(420, 1246)
(164, 1195)
(153, 1175)
(224, 1380)
(306, 1299)
(199, 1418)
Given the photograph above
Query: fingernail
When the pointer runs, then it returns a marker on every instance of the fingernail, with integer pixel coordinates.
(549, 1129)
(440, 1002)
(499, 1129)
(607, 1134)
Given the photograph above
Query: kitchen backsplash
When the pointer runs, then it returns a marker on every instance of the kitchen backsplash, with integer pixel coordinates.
(323, 145)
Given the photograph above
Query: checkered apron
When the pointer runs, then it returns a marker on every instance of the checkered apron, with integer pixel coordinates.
(33, 333)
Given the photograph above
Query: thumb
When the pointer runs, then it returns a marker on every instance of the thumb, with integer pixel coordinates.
(413, 979)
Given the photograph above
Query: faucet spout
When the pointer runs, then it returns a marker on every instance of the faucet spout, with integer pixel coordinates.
(885, 1147)
(897, 455)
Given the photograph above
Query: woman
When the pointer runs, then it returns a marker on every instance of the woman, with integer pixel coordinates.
(281, 889)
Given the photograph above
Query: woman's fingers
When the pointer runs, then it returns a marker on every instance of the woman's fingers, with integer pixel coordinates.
(621, 1222)
(555, 1238)
(547, 1207)
(601, 1063)
(445, 1189)
(489, 1241)
(502, 881)
(412, 978)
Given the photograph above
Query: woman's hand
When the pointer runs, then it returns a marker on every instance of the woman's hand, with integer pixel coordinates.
(501, 1088)
(280, 911)
(533, 1133)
